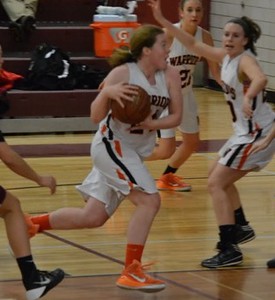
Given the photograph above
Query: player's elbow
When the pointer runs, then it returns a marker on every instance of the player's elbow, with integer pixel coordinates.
(96, 116)
(95, 119)
(177, 119)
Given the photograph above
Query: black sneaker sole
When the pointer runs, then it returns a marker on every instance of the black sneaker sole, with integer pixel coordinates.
(236, 261)
(271, 263)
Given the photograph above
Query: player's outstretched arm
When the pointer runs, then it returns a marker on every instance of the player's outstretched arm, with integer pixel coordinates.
(19, 166)
(201, 49)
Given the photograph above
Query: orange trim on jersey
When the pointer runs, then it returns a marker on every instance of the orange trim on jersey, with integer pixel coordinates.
(244, 157)
(103, 129)
(122, 176)
(118, 148)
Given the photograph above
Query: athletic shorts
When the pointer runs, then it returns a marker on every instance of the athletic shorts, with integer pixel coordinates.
(115, 174)
(2, 195)
(189, 121)
(235, 156)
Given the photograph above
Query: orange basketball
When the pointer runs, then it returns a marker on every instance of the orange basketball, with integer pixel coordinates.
(134, 111)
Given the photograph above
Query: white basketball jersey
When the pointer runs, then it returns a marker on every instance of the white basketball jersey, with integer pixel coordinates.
(184, 60)
(234, 88)
(143, 141)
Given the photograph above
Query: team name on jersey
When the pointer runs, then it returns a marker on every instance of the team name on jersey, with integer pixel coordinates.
(160, 101)
(187, 59)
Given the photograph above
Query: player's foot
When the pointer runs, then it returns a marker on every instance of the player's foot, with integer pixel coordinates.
(42, 283)
(271, 263)
(172, 182)
(230, 256)
(244, 234)
(33, 229)
(134, 278)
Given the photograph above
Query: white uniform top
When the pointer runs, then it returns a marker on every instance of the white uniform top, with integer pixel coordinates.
(234, 153)
(144, 141)
(184, 60)
(234, 88)
(118, 152)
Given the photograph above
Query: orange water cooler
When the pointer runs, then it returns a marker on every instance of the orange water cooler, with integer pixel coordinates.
(112, 31)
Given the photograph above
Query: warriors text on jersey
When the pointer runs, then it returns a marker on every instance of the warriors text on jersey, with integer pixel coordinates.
(184, 60)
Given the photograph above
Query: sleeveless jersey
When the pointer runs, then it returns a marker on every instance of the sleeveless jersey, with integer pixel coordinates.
(246, 130)
(142, 141)
(184, 60)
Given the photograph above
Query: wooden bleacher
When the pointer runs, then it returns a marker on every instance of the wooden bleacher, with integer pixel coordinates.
(63, 23)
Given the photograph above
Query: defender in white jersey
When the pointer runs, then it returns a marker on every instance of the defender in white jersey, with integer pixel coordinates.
(243, 83)
(191, 13)
(118, 151)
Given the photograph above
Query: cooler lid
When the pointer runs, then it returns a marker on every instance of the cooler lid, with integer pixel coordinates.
(114, 18)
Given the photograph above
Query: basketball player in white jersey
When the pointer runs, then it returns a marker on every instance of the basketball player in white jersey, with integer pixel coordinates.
(118, 151)
(243, 83)
(191, 14)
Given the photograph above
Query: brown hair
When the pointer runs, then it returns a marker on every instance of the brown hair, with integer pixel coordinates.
(143, 36)
(182, 2)
(252, 31)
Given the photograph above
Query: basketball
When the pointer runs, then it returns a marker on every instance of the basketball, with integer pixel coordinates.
(134, 111)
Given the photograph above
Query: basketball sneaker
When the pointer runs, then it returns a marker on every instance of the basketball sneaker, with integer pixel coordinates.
(230, 256)
(271, 263)
(172, 182)
(244, 234)
(42, 282)
(134, 278)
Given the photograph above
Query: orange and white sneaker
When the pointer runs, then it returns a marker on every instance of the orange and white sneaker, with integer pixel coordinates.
(33, 229)
(134, 278)
(172, 182)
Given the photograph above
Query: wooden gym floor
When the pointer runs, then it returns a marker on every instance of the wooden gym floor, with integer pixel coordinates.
(184, 232)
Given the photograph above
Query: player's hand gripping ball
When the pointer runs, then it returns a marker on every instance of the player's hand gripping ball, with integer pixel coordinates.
(134, 111)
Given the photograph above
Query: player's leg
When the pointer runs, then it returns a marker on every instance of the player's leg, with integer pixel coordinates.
(169, 180)
(189, 129)
(133, 275)
(92, 215)
(37, 283)
(219, 183)
(165, 149)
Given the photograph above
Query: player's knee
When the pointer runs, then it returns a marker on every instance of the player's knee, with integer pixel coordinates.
(94, 222)
(8, 203)
(153, 204)
(166, 153)
(214, 185)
